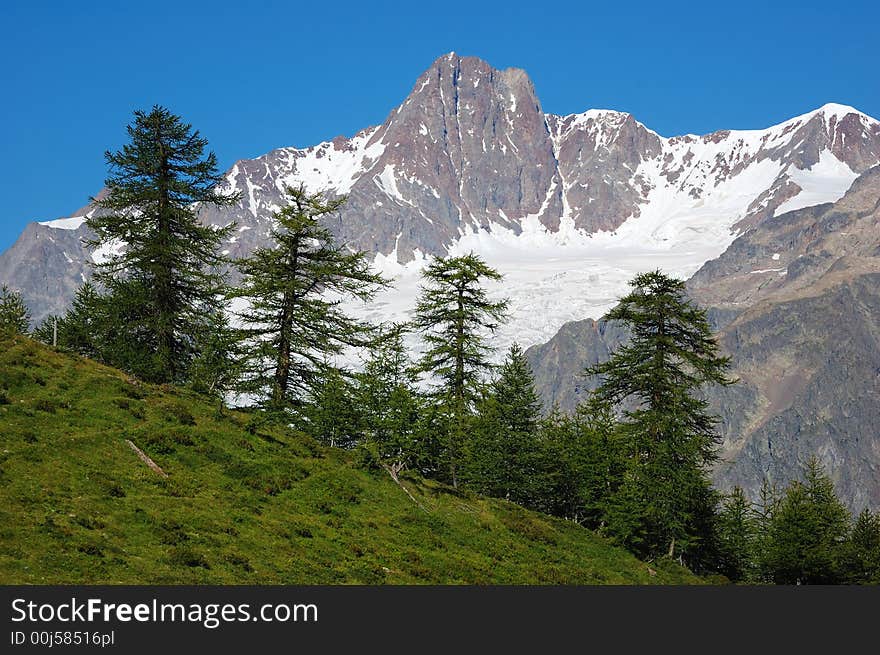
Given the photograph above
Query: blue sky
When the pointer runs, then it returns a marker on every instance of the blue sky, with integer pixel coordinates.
(259, 75)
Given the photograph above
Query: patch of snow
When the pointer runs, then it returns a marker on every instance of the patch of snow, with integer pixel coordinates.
(781, 271)
(324, 167)
(107, 251)
(252, 201)
(72, 223)
(555, 277)
(388, 183)
(826, 181)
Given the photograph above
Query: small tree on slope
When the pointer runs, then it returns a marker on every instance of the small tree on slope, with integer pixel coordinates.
(505, 459)
(294, 320)
(14, 314)
(454, 313)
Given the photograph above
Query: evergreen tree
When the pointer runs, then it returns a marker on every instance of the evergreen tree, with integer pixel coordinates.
(123, 337)
(768, 503)
(665, 502)
(46, 330)
(861, 553)
(390, 404)
(294, 320)
(581, 466)
(505, 455)
(333, 416)
(562, 466)
(600, 466)
(82, 330)
(163, 270)
(737, 534)
(454, 313)
(807, 532)
(217, 368)
(14, 315)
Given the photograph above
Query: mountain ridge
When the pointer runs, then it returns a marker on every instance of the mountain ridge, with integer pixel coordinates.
(469, 161)
(795, 302)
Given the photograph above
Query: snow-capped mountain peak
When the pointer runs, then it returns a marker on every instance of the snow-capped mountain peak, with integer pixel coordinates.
(567, 206)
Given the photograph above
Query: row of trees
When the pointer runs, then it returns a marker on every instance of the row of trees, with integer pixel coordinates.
(632, 463)
(804, 535)
(156, 307)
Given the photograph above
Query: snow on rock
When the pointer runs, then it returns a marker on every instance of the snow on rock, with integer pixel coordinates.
(825, 181)
(618, 198)
(72, 223)
(331, 166)
(107, 251)
(698, 189)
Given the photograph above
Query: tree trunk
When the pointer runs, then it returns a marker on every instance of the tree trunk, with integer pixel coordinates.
(164, 293)
(282, 368)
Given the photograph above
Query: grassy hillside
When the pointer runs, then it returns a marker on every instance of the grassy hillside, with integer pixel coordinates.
(77, 504)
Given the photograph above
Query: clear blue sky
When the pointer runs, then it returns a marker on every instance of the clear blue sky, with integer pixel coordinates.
(256, 75)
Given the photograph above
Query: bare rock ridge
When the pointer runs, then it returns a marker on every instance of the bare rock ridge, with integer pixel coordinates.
(796, 301)
(470, 150)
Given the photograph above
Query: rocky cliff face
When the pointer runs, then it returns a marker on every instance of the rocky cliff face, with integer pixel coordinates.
(796, 302)
(471, 152)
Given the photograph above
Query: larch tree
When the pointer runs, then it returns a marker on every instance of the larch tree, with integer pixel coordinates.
(14, 314)
(455, 315)
(82, 329)
(506, 456)
(665, 503)
(808, 531)
(737, 536)
(861, 556)
(391, 406)
(161, 265)
(294, 320)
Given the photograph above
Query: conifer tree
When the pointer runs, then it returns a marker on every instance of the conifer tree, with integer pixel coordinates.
(333, 417)
(217, 368)
(162, 265)
(390, 403)
(561, 489)
(737, 534)
(807, 532)
(861, 553)
(47, 329)
(294, 319)
(14, 315)
(505, 457)
(600, 465)
(665, 503)
(454, 314)
(769, 498)
(82, 330)
(580, 465)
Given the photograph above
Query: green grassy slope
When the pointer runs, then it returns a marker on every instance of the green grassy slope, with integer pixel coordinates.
(77, 505)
